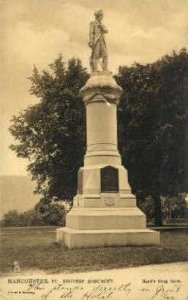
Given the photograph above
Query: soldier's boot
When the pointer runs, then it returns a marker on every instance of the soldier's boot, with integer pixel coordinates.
(105, 63)
(93, 64)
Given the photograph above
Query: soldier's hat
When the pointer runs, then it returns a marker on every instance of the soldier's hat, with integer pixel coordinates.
(98, 12)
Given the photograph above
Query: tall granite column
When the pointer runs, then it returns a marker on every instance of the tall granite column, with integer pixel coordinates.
(104, 210)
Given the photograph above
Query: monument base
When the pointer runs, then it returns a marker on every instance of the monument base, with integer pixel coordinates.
(102, 226)
(73, 238)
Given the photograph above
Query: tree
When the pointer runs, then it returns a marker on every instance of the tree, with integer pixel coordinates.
(43, 214)
(174, 207)
(51, 213)
(51, 134)
(153, 119)
(11, 218)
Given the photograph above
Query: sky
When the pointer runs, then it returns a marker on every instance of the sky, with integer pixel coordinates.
(35, 32)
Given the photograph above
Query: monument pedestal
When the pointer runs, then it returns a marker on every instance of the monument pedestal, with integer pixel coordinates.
(104, 210)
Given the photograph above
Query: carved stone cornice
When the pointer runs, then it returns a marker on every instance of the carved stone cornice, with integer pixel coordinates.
(101, 87)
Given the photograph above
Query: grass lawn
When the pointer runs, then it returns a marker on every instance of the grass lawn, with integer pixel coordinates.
(36, 248)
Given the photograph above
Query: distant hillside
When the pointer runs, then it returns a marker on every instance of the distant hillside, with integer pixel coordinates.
(16, 193)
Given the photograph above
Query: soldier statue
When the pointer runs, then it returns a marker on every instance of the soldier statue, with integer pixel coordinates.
(97, 42)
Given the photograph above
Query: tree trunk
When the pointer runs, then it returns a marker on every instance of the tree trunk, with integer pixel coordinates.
(157, 210)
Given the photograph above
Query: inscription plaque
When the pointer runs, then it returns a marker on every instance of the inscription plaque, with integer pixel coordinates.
(109, 180)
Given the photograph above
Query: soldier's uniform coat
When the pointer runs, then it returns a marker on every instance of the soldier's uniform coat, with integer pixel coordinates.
(96, 39)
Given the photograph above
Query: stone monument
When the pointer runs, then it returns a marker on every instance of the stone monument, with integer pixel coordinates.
(104, 210)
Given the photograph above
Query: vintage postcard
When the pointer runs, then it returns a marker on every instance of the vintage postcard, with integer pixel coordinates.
(94, 116)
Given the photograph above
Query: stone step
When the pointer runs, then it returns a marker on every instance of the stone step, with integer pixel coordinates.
(103, 218)
(73, 238)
